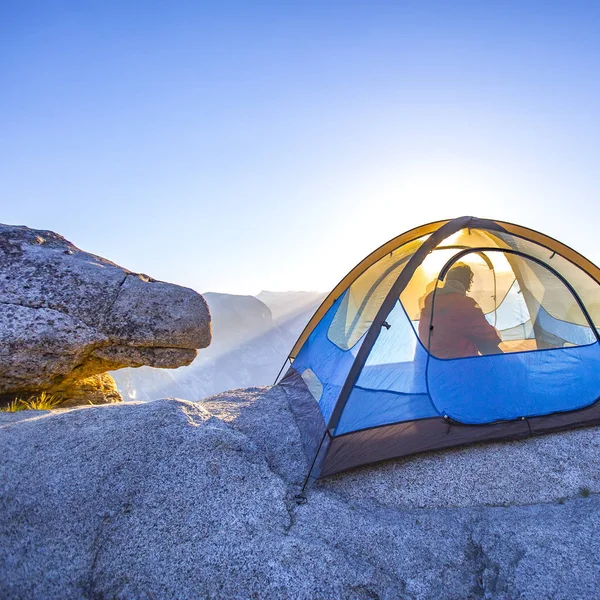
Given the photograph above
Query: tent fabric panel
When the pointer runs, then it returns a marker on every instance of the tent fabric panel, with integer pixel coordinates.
(554, 245)
(339, 289)
(580, 335)
(586, 287)
(314, 385)
(485, 389)
(392, 386)
(365, 296)
(328, 363)
(512, 311)
(403, 439)
(306, 411)
(372, 408)
(397, 360)
(518, 333)
(581, 279)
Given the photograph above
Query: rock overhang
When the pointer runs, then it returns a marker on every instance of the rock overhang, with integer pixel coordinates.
(66, 314)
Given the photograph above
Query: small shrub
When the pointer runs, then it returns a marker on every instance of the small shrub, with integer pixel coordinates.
(584, 492)
(44, 401)
(14, 406)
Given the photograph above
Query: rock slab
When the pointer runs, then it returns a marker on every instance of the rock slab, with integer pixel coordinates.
(172, 499)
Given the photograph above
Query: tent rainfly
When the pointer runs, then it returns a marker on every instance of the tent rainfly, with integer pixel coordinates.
(456, 332)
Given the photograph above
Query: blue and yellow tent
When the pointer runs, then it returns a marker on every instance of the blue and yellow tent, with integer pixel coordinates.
(366, 387)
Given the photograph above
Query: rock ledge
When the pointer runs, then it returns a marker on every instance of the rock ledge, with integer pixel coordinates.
(195, 500)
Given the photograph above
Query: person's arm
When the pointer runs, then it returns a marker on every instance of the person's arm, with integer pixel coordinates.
(487, 347)
(480, 332)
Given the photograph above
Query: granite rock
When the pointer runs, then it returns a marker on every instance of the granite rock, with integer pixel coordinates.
(173, 499)
(67, 316)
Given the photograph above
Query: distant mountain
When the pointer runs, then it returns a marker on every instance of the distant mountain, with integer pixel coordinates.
(283, 305)
(291, 311)
(252, 337)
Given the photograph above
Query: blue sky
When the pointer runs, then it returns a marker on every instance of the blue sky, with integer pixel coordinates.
(235, 147)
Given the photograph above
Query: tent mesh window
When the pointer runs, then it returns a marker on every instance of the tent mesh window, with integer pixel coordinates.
(365, 296)
(537, 311)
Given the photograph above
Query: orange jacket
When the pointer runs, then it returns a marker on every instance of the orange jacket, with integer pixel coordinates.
(459, 325)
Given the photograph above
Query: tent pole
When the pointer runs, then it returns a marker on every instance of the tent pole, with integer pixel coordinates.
(401, 282)
(281, 370)
(301, 497)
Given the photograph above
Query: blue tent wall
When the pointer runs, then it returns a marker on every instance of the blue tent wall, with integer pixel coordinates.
(391, 387)
(327, 361)
(485, 389)
(579, 335)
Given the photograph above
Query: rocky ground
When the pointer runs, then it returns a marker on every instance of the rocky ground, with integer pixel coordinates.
(173, 499)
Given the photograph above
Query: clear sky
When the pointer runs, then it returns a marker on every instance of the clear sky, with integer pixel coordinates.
(240, 146)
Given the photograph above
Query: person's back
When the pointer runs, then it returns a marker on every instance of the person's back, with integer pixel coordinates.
(460, 328)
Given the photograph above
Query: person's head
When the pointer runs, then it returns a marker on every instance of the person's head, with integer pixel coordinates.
(462, 273)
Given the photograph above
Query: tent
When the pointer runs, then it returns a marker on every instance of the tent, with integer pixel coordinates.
(369, 379)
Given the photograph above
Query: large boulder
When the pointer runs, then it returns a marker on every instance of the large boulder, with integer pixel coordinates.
(173, 499)
(67, 317)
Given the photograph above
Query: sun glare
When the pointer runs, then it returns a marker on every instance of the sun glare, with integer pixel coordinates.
(436, 260)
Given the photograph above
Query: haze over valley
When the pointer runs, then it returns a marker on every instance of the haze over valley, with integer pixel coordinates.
(252, 336)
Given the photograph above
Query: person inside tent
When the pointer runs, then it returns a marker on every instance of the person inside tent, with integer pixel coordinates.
(459, 326)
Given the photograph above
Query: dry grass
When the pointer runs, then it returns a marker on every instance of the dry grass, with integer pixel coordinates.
(14, 406)
(44, 401)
